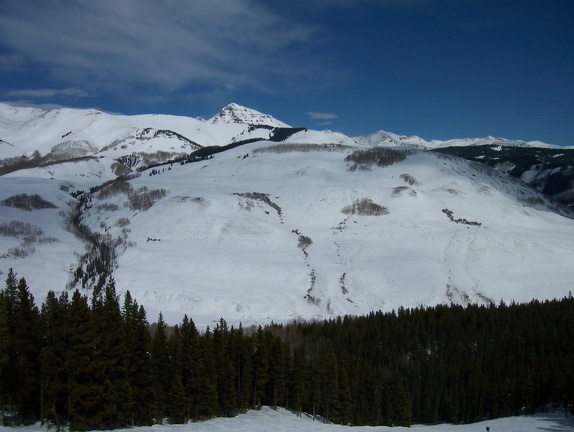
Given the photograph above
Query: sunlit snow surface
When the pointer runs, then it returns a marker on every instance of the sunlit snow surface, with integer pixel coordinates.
(284, 421)
(211, 250)
(224, 239)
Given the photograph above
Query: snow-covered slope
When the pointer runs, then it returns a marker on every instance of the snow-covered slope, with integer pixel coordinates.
(268, 231)
(35, 235)
(307, 136)
(32, 139)
(389, 139)
(273, 232)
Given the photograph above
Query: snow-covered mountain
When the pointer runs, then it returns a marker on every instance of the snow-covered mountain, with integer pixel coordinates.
(384, 138)
(108, 145)
(389, 139)
(234, 113)
(283, 224)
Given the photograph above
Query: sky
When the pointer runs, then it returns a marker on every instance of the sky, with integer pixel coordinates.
(439, 69)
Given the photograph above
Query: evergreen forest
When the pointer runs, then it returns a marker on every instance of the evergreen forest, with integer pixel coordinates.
(96, 363)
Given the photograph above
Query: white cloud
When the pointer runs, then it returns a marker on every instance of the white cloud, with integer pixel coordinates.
(48, 93)
(314, 115)
(170, 44)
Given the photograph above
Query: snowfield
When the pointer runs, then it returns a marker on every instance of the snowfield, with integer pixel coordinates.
(274, 231)
(217, 240)
(282, 420)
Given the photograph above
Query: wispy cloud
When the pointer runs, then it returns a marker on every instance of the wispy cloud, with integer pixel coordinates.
(48, 93)
(314, 115)
(113, 45)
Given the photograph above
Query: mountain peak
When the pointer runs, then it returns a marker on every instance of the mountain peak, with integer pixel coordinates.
(234, 113)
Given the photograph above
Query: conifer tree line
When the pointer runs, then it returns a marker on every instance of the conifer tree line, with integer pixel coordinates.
(96, 363)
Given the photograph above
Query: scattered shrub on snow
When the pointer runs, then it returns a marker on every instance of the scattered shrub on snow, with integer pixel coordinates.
(450, 215)
(123, 222)
(410, 179)
(114, 188)
(365, 207)
(108, 207)
(397, 191)
(141, 199)
(304, 241)
(144, 198)
(380, 156)
(21, 252)
(290, 148)
(28, 202)
(17, 228)
(263, 197)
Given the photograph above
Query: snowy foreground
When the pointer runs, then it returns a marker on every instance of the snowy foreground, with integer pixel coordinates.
(283, 420)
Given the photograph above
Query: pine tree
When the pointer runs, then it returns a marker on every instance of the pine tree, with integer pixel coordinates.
(189, 364)
(177, 403)
(242, 347)
(260, 367)
(207, 398)
(386, 408)
(226, 372)
(174, 343)
(115, 404)
(160, 370)
(85, 375)
(329, 381)
(342, 412)
(27, 354)
(8, 301)
(278, 370)
(299, 380)
(54, 372)
(139, 370)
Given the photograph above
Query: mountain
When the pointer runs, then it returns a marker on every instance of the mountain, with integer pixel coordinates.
(547, 168)
(384, 138)
(109, 145)
(389, 139)
(262, 222)
(234, 113)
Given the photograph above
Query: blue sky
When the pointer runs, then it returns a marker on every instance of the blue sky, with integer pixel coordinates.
(438, 69)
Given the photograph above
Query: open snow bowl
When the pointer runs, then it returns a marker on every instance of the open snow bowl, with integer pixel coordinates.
(282, 420)
(224, 240)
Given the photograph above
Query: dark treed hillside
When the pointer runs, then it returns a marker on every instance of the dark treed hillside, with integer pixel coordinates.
(548, 170)
(97, 364)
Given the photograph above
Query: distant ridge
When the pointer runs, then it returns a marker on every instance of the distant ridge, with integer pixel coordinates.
(390, 139)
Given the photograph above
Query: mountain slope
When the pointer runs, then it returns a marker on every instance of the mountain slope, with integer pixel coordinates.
(266, 232)
(548, 170)
(32, 138)
(315, 224)
(36, 238)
